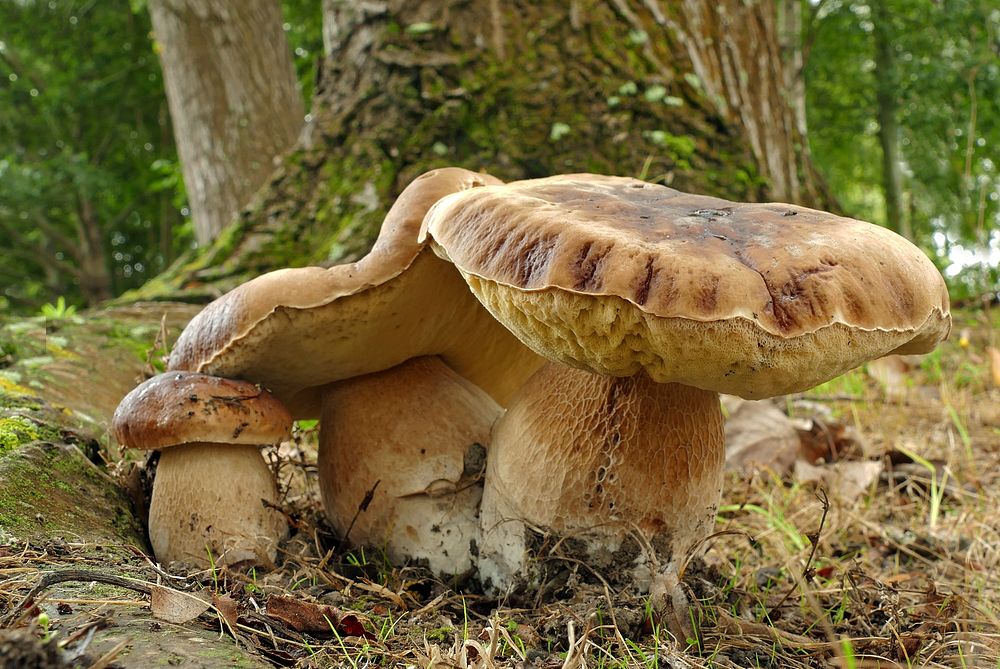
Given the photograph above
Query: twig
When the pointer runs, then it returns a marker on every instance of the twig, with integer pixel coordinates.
(55, 577)
(807, 571)
(732, 625)
(108, 602)
(362, 507)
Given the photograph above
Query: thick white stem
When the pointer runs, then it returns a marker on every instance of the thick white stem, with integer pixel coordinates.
(210, 499)
(419, 431)
(623, 474)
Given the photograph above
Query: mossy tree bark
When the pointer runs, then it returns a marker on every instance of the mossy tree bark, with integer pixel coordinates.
(688, 94)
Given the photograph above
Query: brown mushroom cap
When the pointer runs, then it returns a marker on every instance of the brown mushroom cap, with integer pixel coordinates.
(616, 275)
(211, 479)
(182, 407)
(296, 330)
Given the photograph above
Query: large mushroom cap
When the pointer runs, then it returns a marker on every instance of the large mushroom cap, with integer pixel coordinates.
(296, 330)
(617, 275)
(182, 407)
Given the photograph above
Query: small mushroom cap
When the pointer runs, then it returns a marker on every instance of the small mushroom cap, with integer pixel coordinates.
(183, 407)
(616, 275)
(296, 330)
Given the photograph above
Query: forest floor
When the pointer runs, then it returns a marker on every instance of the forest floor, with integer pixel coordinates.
(874, 543)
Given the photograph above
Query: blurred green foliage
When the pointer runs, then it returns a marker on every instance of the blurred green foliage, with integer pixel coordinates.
(86, 147)
(88, 171)
(947, 78)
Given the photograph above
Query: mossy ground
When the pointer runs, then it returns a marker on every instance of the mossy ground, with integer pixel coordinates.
(81, 366)
(901, 576)
(49, 489)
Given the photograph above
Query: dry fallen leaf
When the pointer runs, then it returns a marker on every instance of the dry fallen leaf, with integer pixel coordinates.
(175, 606)
(828, 440)
(226, 606)
(891, 373)
(845, 479)
(759, 436)
(315, 618)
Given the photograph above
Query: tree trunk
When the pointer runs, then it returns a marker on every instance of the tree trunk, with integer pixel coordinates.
(689, 94)
(735, 50)
(93, 273)
(233, 99)
(888, 127)
(793, 60)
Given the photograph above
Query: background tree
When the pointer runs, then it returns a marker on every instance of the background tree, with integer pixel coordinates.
(521, 89)
(88, 194)
(945, 87)
(887, 109)
(233, 99)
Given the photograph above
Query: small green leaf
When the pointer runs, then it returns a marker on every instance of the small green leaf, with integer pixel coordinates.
(656, 93)
(628, 88)
(692, 79)
(419, 28)
(637, 37)
(559, 130)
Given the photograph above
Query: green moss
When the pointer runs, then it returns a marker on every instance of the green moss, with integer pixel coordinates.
(49, 490)
(16, 430)
(13, 396)
(139, 340)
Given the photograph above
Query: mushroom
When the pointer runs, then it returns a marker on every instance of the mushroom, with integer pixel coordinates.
(311, 335)
(417, 433)
(214, 497)
(650, 302)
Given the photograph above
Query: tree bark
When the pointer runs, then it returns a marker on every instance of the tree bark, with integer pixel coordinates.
(793, 60)
(690, 94)
(735, 50)
(233, 99)
(888, 127)
(94, 272)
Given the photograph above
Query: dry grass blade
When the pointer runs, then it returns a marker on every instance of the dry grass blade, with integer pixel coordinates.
(104, 661)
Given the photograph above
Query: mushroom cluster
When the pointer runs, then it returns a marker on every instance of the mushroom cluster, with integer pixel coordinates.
(605, 314)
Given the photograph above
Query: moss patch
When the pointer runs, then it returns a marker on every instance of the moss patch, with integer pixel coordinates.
(16, 430)
(50, 490)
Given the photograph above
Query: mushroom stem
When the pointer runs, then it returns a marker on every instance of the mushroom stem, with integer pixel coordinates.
(415, 435)
(214, 498)
(623, 474)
